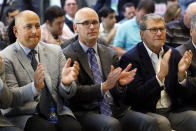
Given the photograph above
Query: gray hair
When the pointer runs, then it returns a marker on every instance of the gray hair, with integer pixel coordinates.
(193, 20)
(143, 25)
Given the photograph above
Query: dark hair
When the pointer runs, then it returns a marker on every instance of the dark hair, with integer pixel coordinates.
(11, 35)
(129, 4)
(105, 11)
(9, 10)
(53, 12)
(147, 5)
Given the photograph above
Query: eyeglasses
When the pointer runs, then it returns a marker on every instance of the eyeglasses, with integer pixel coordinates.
(88, 23)
(155, 30)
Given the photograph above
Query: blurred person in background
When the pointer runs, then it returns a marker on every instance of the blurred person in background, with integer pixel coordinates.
(54, 30)
(173, 12)
(128, 12)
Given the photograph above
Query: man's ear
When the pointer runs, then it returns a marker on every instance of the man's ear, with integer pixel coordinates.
(15, 30)
(75, 28)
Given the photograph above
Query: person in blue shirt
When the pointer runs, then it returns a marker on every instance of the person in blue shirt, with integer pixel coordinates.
(128, 34)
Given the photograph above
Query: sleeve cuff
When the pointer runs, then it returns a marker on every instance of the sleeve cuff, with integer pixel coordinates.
(66, 88)
(35, 92)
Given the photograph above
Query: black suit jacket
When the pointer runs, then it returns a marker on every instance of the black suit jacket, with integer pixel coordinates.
(143, 92)
(69, 24)
(88, 92)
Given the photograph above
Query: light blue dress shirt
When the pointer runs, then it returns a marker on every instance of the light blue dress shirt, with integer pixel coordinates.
(127, 35)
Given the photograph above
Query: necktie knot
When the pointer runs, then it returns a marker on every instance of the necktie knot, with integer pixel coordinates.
(91, 51)
(32, 53)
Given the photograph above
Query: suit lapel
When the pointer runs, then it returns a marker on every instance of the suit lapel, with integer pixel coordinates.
(148, 69)
(105, 62)
(82, 58)
(43, 59)
(192, 48)
(23, 59)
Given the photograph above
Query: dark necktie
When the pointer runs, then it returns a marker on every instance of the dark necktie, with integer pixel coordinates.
(104, 105)
(31, 55)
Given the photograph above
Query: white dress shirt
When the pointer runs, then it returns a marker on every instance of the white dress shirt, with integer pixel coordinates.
(164, 101)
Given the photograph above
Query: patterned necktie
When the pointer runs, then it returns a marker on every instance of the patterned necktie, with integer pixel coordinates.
(31, 55)
(104, 105)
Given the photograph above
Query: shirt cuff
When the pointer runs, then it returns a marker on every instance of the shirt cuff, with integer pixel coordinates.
(66, 88)
(1, 85)
(161, 84)
(35, 92)
(183, 83)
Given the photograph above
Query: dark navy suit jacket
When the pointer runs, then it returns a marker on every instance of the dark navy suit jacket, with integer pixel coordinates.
(143, 92)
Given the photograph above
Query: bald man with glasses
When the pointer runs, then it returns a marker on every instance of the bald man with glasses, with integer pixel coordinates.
(97, 103)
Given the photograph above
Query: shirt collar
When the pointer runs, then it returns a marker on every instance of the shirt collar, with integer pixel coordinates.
(69, 18)
(26, 49)
(194, 44)
(150, 53)
(85, 48)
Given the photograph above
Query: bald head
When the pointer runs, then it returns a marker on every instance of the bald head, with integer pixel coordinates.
(24, 14)
(87, 26)
(27, 29)
(188, 13)
(80, 14)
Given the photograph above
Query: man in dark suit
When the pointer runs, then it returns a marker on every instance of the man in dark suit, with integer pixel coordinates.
(70, 9)
(86, 104)
(157, 87)
(30, 63)
(188, 116)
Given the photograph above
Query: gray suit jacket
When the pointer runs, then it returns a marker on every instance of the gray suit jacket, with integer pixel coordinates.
(88, 93)
(20, 74)
(9, 98)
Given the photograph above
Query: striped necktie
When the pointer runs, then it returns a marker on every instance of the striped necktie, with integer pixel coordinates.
(104, 105)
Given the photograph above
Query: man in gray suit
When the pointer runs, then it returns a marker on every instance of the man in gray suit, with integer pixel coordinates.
(100, 83)
(185, 121)
(10, 98)
(33, 64)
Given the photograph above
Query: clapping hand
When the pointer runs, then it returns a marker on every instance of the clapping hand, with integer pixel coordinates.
(70, 74)
(184, 64)
(164, 65)
(39, 77)
(127, 76)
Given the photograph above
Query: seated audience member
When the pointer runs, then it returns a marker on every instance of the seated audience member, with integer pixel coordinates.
(128, 33)
(128, 12)
(54, 31)
(10, 98)
(97, 102)
(10, 14)
(178, 31)
(156, 88)
(188, 116)
(31, 64)
(172, 13)
(108, 24)
(70, 9)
